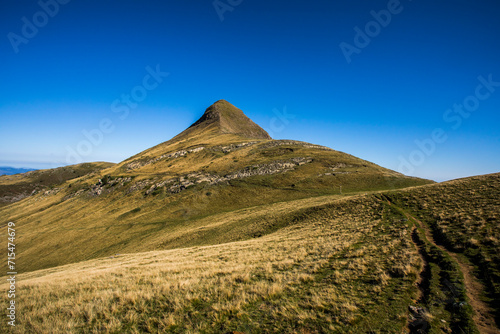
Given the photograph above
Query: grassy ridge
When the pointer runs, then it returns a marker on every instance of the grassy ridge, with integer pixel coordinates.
(18, 186)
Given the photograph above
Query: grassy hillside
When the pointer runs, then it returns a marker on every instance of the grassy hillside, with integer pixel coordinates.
(225, 229)
(157, 198)
(19, 186)
(341, 267)
(326, 264)
(129, 209)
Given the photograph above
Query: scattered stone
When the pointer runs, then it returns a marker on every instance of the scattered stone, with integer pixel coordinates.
(138, 186)
(418, 319)
(232, 147)
(106, 183)
(183, 182)
(141, 163)
(275, 143)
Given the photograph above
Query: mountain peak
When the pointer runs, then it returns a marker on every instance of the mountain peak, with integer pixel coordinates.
(226, 118)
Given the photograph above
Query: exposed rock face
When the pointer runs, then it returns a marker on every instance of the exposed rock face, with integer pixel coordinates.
(138, 186)
(140, 163)
(275, 143)
(232, 147)
(225, 149)
(178, 184)
(15, 197)
(14, 188)
(106, 183)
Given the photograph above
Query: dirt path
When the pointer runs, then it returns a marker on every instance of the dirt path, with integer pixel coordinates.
(483, 317)
(415, 325)
(420, 279)
(424, 274)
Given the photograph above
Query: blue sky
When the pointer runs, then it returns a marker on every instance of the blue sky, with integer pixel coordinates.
(67, 65)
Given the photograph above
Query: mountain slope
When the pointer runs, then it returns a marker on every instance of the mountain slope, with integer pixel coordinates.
(155, 199)
(13, 188)
(221, 123)
(327, 269)
(330, 264)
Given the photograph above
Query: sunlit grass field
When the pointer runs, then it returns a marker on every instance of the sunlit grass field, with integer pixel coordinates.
(344, 266)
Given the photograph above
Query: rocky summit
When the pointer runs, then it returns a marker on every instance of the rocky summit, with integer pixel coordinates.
(225, 117)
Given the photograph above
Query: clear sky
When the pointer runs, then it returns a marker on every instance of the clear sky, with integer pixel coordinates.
(411, 85)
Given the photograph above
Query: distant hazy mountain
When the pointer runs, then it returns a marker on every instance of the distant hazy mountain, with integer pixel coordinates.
(11, 170)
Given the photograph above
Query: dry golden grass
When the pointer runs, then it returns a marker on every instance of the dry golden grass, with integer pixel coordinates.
(340, 267)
